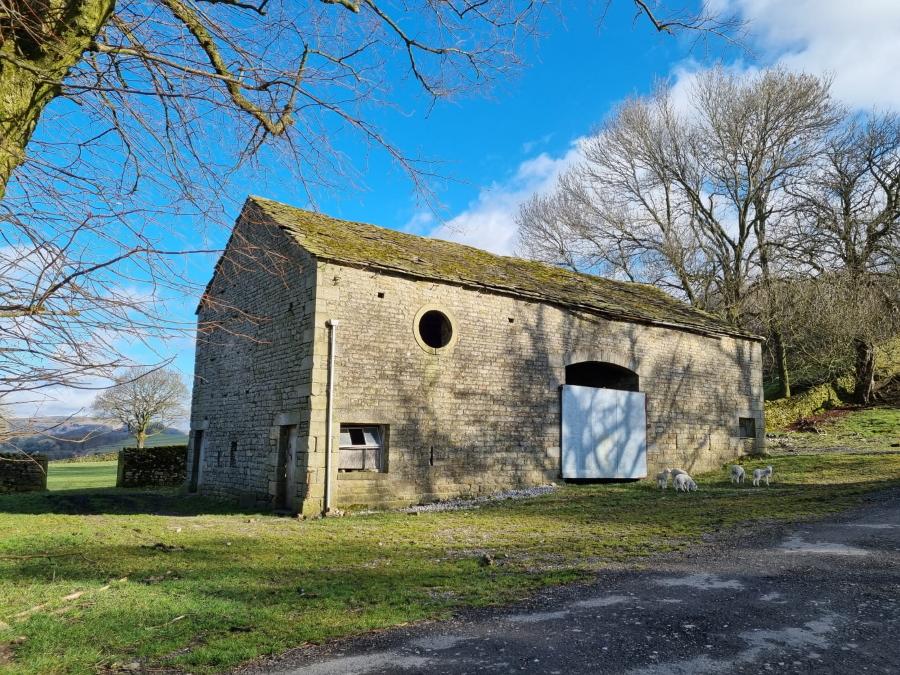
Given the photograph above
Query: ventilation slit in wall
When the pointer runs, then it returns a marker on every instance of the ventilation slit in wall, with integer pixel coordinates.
(431, 457)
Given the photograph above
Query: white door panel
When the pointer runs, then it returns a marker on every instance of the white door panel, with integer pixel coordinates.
(603, 433)
(577, 434)
(633, 435)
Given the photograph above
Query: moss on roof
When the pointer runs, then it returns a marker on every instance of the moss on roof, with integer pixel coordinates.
(363, 245)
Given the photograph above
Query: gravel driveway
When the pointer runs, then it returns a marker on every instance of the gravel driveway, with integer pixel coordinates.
(814, 598)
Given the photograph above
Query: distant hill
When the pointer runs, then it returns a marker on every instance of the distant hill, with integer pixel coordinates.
(62, 437)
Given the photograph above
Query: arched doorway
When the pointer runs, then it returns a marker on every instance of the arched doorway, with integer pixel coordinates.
(604, 422)
(602, 375)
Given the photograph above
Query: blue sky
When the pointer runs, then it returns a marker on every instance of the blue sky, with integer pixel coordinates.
(498, 149)
(570, 79)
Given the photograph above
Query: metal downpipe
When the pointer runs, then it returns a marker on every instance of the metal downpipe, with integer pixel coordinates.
(329, 413)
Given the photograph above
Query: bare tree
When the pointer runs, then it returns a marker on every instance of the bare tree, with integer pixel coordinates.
(278, 66)
(143, 399)
(848, 231)
(620, 210)
(86, 263)
(824, 317)
(687, 199)
(124, 122)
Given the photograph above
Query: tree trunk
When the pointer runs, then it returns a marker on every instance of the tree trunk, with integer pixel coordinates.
(865, 372)
(35, 58)
(779, 354)
(140, 438)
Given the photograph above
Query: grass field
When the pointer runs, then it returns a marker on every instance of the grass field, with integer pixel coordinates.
(152, 442)
(95, 579)
(876, 428)
(80, 476)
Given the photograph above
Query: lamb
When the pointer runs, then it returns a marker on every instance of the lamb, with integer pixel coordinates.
(684, 483)
(759, 474)
(737, 473)
(662, 478)
(675, 472)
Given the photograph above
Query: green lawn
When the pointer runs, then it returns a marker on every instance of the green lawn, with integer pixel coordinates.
(185, 582)
(151, 442)
(863, 429)
(73, 476)
(874, 424)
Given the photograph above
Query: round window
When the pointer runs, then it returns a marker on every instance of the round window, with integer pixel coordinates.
(435, 329)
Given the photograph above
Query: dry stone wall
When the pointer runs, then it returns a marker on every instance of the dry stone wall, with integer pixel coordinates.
(164, 465)
(20, 473)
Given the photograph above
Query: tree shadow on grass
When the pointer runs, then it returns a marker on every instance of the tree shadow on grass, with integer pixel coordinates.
(118, 501)
(306, 593)
(193, 597)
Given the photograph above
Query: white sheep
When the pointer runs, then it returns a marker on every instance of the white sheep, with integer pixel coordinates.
(759, 474)
(662, 478)
(675, 472)
(684, 483)
(737, 473)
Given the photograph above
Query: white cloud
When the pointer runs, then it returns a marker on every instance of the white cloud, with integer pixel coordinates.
(685, 76)
(420, 222)
(529, 146)
(489, 221)
(52, 402)
(857, 42)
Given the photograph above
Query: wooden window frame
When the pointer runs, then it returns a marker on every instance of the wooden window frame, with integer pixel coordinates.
(366, 456)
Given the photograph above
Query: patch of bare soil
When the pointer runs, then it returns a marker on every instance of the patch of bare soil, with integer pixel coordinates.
(816, 423)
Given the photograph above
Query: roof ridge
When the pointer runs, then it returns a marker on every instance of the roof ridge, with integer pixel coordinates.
(514, 258)
(366, 244)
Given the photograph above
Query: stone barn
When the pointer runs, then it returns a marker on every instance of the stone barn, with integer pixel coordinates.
(343, 365)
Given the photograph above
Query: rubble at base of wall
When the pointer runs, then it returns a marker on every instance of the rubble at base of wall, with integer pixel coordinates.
(165, 465)
(22, 473)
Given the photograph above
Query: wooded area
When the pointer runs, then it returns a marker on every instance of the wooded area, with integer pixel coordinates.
(758, 198)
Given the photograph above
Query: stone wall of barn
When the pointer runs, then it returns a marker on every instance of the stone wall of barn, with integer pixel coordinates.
(484, 413)
(253, 365)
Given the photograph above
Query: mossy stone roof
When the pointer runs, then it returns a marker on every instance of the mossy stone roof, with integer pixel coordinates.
(363, 245)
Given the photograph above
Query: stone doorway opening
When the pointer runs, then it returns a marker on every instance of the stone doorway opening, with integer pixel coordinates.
(604, 423)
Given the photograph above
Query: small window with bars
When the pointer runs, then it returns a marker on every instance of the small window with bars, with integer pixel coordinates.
(362, 448)
(747, 427)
